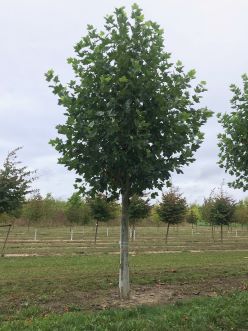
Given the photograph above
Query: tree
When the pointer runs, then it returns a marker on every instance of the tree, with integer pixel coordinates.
(241, 213)
(219, 209)
(76, 210)
(233, 142)
(33, 210)
(138, 209)
(172, 209)
(15, 184)
(191, 217)
(132, 116)
(100, 210)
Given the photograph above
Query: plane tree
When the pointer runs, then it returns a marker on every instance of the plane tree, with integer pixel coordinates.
(233, 141)
(132, 116)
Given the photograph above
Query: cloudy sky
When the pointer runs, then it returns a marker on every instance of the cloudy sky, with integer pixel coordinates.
(210, 36)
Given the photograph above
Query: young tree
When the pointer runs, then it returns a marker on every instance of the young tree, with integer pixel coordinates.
(241, 213)
(138, 209)
(233, 142)
(172, 209)
(33, 209)
(132, 116)
(219, 209)
(191, 217)
(100, 210)
(76, 210)
(15, 184)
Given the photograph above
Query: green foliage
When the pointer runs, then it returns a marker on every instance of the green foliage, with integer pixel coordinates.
(241, 213)
(219, 208)
(44, 210)
(138, 209)
(132, 115)
(173, 208)
(233, 142)
(77, 211)
(33, 210)
(100, 208)
(15, 184)
(191, 216)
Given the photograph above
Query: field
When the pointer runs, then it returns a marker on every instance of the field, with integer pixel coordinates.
(53, 279)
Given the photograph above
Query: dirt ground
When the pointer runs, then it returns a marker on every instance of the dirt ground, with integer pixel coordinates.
(152, 295)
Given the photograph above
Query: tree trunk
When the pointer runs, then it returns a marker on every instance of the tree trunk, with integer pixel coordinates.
(96, 231)
(124, 286)
(212, 231)
(221, 232)
(167, 233)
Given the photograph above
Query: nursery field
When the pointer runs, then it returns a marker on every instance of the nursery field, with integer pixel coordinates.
(148, 240)
(54, 283)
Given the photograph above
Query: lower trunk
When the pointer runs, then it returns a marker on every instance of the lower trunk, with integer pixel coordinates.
(212, 231)
(167, 233)
(96, 231)
(221, 232)
(124, 286)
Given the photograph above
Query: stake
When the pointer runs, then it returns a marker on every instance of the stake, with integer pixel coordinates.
(9, 225)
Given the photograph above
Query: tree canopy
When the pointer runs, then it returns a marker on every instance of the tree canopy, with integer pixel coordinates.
(233, 142)
(173, 207)
(132, 116)
(138, 208)
(15, 184)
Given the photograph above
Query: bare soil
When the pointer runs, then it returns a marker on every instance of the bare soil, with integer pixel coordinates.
(151, 295)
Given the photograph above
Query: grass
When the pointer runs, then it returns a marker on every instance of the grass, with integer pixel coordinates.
(47, 281)
(36, 291)
(204, 314)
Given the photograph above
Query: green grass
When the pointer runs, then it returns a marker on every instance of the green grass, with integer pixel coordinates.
(204, 314)
(45, 281)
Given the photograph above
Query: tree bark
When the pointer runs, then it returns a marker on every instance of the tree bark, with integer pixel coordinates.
(96, 231)
(167, 233)
(124, 286)
(221, 232)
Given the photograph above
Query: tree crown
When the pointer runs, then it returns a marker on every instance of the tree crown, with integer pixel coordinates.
(233, 142)
(132, 116)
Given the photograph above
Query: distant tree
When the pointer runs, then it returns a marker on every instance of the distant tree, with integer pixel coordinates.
(133, 118)
(138, 209)
(15, 184)
(241, 213)
(77, 211)
(219, 209)
(49, 208)
(33, 209)
(233, 142)
(191, 217)
(172, 209)
(100, 210)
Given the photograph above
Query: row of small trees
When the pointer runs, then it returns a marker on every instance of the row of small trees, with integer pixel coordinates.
(15, 183)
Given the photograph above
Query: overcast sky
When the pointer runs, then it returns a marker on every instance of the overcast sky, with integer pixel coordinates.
(210, 36)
